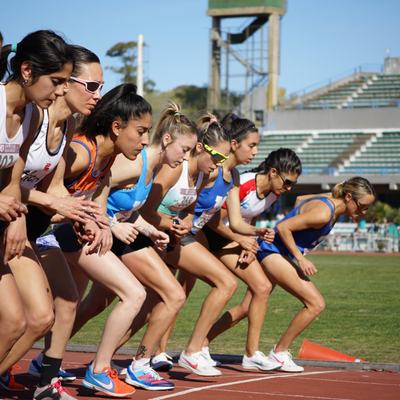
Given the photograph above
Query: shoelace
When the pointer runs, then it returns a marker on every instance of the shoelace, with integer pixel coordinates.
(57, 385)
(16, 367)
(153, 373)
(112, 373)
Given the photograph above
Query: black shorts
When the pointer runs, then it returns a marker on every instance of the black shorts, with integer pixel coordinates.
(66, 237)
(215, 240)
(37, 223)
(120, 248)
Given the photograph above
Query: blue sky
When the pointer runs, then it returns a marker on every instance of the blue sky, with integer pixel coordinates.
(320, 38)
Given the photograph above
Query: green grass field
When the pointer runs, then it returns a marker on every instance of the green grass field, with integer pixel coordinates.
(361, 318)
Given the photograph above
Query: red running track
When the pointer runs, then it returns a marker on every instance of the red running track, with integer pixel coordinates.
(234, 384)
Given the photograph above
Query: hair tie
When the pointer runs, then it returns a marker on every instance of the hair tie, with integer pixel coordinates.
(213, 120)
(234, 116)
(177, 113)
(14, 48)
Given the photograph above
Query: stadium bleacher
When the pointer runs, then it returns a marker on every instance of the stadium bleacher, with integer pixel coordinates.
(374, 90)
(336, 153)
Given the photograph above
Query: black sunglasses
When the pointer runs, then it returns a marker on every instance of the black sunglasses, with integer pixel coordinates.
(360, 206)
(286, 182)
(90, 86)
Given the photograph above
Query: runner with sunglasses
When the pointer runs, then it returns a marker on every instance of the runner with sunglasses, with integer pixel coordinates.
(296, 235)
(173, 138)
(42, 186)
(38, 69)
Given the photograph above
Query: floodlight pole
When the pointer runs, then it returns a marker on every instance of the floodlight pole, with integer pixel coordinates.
(139, 78)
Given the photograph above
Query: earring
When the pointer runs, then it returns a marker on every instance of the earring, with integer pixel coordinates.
(24, 82)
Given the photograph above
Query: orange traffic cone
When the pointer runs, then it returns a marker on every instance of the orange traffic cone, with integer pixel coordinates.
(314, 351)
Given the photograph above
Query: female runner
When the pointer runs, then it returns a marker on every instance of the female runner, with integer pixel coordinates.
(119, 124)
(296, 235)
(37, 73)
(48, 151)
(173, 139)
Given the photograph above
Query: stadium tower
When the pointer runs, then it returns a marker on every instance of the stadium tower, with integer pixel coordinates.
(248, 48)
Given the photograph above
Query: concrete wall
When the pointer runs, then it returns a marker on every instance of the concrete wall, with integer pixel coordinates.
(364, 118)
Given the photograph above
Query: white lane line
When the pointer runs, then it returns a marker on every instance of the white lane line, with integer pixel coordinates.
(169, 396)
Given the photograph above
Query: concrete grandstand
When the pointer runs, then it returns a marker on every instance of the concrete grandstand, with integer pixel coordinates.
(347, 127)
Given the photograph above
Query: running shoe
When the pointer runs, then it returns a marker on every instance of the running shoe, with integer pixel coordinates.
(118, 368)
(7, 381)
(35, 369)
(107, 381)
(206, 353)
(285, 359)
(198, 364)
(147, 378)
(261, 362)
(53, 391)
(161, 362)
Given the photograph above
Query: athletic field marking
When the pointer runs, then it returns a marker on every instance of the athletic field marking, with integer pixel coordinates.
(357, 383)
(247, 381)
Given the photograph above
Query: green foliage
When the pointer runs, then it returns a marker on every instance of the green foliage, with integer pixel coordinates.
(361, 317)
(382, 211)
(126, 52)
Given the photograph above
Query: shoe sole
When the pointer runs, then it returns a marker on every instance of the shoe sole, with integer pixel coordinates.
(195, 371)
(164, 367)
(259, 367)
(291, 370)
(100, 389)
(129, 381)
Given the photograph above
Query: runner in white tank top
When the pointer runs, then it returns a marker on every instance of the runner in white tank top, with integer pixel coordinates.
(41, 65)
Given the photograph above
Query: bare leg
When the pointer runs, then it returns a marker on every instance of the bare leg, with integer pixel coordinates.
(109, 272)
(33, 288)
(13, 322)
(65, 297)
(198, 261)
(256, 301)
(285, 273)
(96, 301)
(151, 271)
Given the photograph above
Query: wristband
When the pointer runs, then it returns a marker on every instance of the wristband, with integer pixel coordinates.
(146, 230)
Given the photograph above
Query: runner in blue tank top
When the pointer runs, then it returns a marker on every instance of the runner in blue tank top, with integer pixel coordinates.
(133, 240)
(297, 234)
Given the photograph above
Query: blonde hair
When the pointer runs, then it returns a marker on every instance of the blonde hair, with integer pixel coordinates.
(210, 131)
(357, 187)
(173, 122)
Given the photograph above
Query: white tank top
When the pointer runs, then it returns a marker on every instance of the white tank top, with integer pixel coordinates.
(41, 161)
(9, 148)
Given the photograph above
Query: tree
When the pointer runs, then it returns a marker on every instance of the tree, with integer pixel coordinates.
(126, 52)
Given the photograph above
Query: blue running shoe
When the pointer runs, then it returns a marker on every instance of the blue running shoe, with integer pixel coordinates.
(148, 379)
(107, 381)
(35, 369)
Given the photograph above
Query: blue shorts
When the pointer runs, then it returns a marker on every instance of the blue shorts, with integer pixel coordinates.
(66, 237)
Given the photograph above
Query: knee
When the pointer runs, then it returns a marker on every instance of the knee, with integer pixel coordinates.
(231, 285)
(41, 323)
(262, 290)
(13, 329)
(317, 307)
(178, 299)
